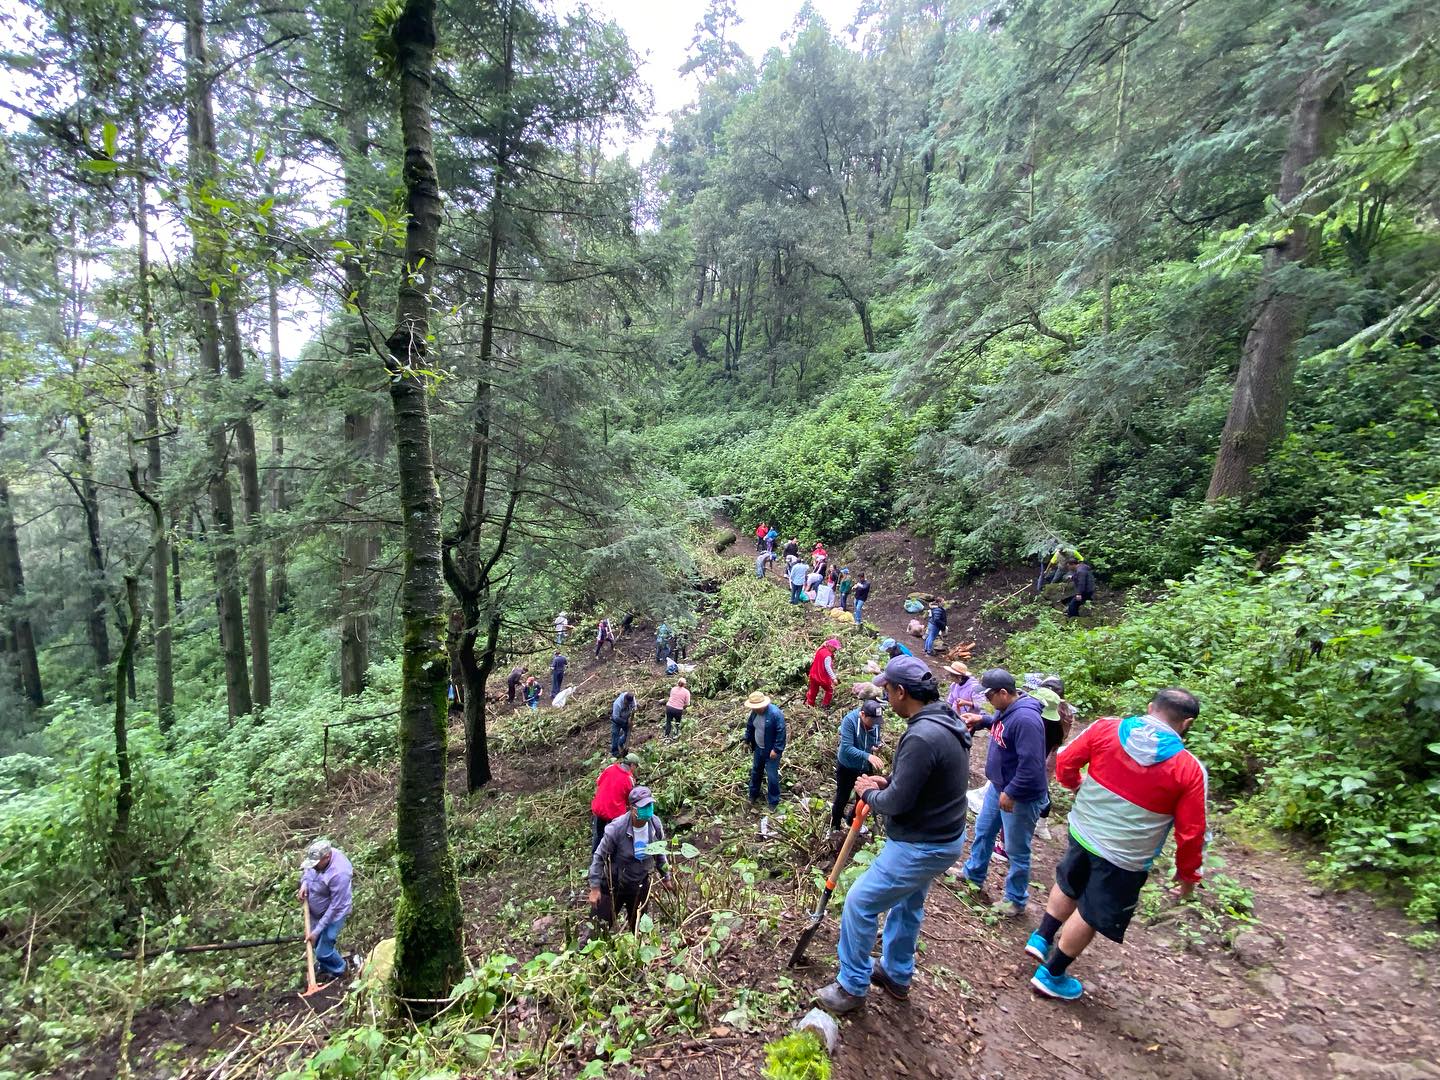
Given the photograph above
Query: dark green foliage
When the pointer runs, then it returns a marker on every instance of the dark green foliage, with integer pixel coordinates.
(1317, 680)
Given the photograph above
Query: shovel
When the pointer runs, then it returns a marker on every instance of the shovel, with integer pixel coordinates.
(846, 849)
(311, 987)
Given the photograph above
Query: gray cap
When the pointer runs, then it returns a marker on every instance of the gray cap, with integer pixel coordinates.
(998, 679)
(631, 759)
(872, 708)
(315, 852)
(640, 796)
(908, 672)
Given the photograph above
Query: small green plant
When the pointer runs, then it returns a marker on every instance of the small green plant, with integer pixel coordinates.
(798, 1056)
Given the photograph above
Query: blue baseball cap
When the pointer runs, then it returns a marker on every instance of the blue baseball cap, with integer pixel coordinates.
(907, 672)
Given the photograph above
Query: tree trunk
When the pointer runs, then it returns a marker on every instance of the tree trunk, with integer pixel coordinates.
(428, 955)
(124, 792)
(253, 500)
(278, 584)
(200, 122)
(12, 595)
(355, 543)
(475, 675)
(96, 626)
(160, 568)
(1266, 375)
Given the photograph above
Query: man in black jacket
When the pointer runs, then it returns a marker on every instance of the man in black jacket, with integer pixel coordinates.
(1082, 578)
(923, 801)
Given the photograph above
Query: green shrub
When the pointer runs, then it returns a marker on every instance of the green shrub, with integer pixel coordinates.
(1318, 683)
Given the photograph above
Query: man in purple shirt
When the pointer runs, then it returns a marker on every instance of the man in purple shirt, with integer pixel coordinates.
(325, 887)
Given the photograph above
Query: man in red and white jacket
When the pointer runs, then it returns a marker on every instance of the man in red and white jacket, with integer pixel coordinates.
(1141, 782)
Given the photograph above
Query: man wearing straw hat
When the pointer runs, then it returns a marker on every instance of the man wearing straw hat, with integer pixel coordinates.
(765, 735)
(325, 887)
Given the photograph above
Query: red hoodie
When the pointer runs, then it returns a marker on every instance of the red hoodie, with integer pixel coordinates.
(611, 791)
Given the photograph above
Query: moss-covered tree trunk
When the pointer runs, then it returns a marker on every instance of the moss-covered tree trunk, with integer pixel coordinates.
(1266, 376)
(428, 958)
(19, 633)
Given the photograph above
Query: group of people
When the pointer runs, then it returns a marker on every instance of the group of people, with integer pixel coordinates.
(1066, 563)
(1134, 781)
(816, 581)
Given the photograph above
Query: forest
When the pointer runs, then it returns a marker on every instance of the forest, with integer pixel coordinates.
(354, 355)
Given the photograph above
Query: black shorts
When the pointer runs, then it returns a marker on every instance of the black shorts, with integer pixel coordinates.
(1105, 893)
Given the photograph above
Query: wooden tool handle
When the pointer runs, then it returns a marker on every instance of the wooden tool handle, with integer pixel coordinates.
(309, 949)
(861, 809)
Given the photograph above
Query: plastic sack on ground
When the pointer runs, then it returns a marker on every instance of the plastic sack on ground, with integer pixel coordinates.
(562, 697)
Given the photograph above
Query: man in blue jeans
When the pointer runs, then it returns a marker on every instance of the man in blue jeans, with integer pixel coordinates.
(765, 735)
(1015, 767)
(923, 801)
(862, 593)
(797, 575)
(325, 876)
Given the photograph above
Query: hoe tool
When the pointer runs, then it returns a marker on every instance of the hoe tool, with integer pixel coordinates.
(846, 850)
(311, 987)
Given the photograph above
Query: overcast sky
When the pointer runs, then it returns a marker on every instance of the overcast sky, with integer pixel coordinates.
(660, 31)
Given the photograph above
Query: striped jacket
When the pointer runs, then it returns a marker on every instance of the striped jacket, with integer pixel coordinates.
(1141, 781)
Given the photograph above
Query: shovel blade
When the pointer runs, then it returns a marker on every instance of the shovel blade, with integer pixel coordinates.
(798, 956)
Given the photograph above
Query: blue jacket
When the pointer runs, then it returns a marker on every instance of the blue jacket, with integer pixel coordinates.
(1016, 761)
(856, 744)
(769, 737)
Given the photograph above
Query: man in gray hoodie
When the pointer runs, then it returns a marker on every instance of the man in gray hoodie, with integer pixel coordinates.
(923, 800)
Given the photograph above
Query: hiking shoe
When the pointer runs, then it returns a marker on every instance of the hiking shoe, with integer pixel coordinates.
(1008, 908)
(1063, 987)
(834, 998)
(1037, 946)
(1042, 830)
(1000, 851)
(881, 978)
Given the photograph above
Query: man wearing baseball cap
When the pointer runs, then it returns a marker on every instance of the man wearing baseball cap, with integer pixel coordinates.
(621, 868)
(325, 879)
(612, 787)
(1015, 767)
(855, 757)
(923, 800)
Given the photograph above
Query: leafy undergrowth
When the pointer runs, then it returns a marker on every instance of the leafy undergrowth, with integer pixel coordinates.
(1319, 686)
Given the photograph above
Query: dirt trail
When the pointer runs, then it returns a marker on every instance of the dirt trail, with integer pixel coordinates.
(1318, 984)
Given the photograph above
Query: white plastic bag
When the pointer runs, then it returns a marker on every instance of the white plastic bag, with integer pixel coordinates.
(560, 699)
(976, 797)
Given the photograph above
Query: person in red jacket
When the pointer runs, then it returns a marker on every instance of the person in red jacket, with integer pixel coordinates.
(822, 673)
(1140, 783)
(612, 788)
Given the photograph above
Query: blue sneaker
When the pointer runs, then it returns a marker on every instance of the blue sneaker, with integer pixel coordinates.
(1064, 987)
(1037, 946)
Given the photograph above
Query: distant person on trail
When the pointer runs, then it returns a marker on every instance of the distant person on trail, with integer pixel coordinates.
(513, 680)
(611, 787)
(1083, 582)
(557, 673)
(764, 559)
(844, 591)
(1015, 767)
(1052, 568)
(622, 711)
(862, 593)
(965, 692)
(935, 624)
(532, 692)
(892, 648)
(771, 538)
(822, 673)
(798, 573)
(604, 634)
(765, 736)
(680, 644)
(855, 757)
(627, 623)
(621, 866)
(325, 881)
(1140, 781)
(760, 531)
(675, 706)
(662, 643)
(562, 625)
(792, 547)
(923, 801)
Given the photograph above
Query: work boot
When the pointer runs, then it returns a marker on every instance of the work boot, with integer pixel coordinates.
(881, 978)
(835, 999)
(1008, 908)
